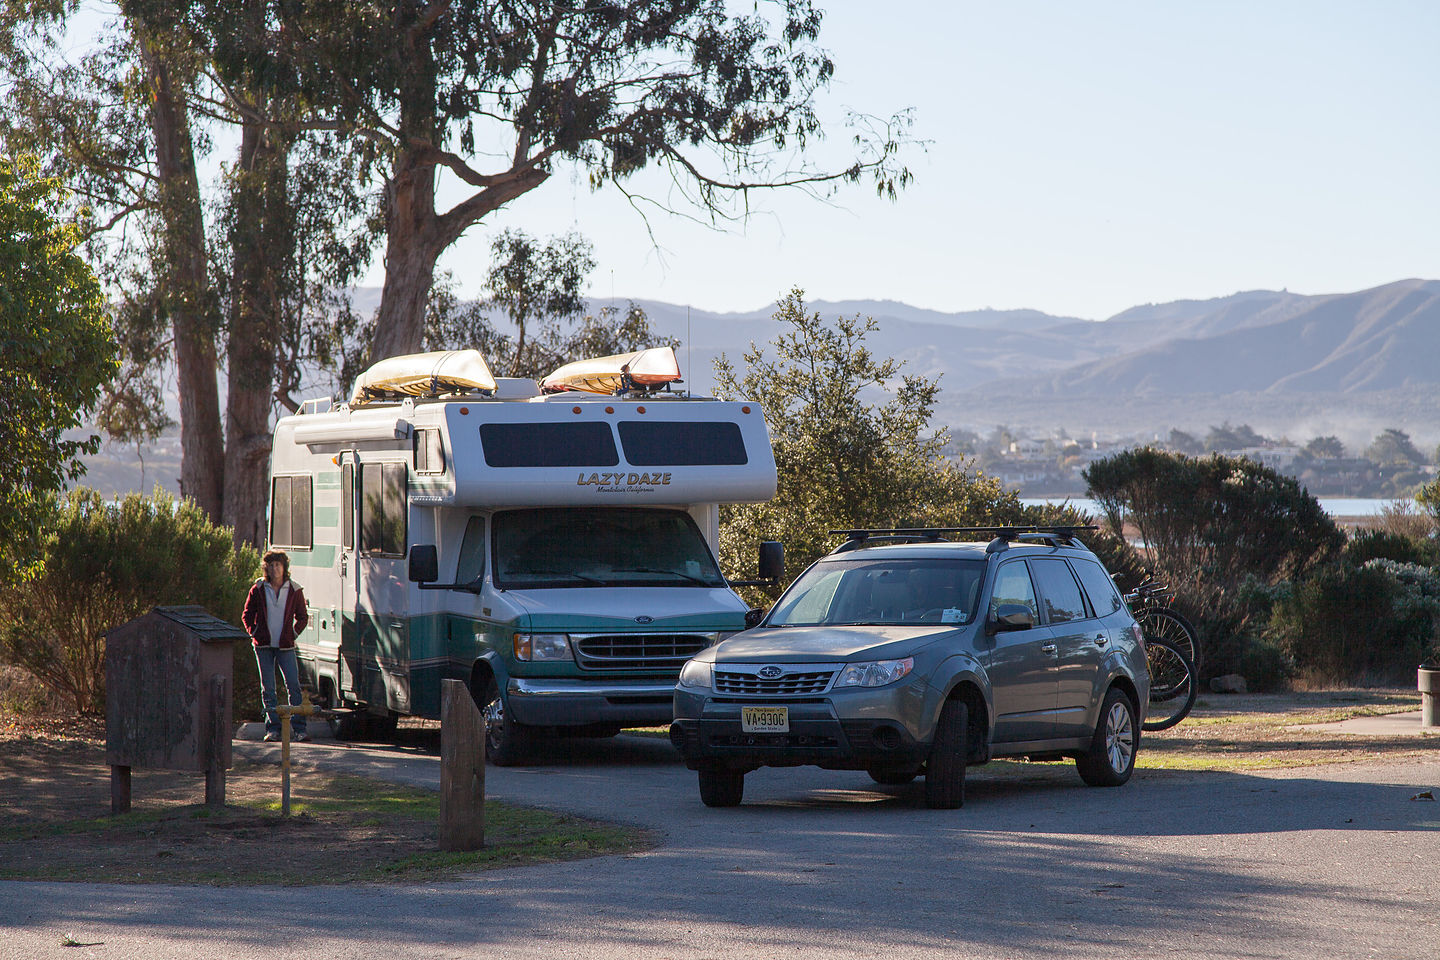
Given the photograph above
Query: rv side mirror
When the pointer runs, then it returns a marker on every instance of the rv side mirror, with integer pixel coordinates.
(772, 560)
(424, 563)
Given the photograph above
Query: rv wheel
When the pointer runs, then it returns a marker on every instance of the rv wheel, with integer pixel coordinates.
(506, 742)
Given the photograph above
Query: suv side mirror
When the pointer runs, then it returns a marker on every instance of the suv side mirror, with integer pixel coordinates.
(754, 616)
(1012, 616)
(424, 563)
(772, 560)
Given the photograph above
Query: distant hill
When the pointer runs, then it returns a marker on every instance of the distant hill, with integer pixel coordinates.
(1348, 364)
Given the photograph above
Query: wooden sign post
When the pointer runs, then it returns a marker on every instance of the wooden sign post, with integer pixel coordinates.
(462, 769)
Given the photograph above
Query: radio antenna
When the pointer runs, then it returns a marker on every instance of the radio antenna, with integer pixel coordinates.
(689, 351)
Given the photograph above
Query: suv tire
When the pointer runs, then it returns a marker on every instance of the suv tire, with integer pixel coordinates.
(891, 777)
(945, 773)
(720, 786)
(1111, 758)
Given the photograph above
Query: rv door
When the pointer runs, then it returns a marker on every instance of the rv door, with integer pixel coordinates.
(351, 671)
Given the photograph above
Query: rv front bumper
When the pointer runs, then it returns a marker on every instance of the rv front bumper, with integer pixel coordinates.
(579, 703)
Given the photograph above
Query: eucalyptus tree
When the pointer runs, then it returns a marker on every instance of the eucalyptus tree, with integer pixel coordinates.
(57, 352)
(495, 96)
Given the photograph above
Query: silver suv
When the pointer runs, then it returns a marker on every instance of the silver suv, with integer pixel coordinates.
(921, 655)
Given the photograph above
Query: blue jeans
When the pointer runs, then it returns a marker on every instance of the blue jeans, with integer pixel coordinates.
(268, 658)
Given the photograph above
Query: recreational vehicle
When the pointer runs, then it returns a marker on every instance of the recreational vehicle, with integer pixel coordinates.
(552, 545)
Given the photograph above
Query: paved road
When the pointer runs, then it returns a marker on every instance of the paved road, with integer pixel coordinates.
(1326, 862)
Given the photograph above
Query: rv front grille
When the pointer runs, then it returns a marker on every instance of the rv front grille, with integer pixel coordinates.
(789, 685)
(637, 651)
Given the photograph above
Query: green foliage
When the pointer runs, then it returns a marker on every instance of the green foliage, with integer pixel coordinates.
(1384, 544)
(58, 352)
(852, 445)
(1373, 622)
(1327, 447)
(104, 564)
(1428, 497)
(1392, 447)
(1226, 437)
(1211, 525)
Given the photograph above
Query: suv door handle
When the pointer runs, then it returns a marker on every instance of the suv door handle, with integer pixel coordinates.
(1101, 640)
(1048, 648)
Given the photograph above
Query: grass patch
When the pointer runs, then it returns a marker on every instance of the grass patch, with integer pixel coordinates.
(343, 829)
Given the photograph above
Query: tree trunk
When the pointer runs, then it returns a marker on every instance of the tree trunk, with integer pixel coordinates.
(258, 232)
(410, 255)
(186, 289)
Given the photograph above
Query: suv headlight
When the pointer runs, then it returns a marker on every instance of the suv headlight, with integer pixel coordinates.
(874, 674)
(542, 646)
(695, 674)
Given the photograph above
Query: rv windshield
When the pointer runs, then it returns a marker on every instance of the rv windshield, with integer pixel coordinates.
(600, 547)
(919, 591)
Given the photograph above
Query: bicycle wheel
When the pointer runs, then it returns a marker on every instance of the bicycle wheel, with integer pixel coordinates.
(1172, 685)
(1163, 623)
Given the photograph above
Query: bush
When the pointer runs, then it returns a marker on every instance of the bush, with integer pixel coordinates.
(1210, 526)
(104, 564)
(1368, 545)
(1368, 623)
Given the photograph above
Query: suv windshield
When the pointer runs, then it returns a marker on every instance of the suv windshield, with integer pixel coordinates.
(601, 547)
(920, 591)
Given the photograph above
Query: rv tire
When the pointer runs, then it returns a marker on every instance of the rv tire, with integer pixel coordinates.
(506, 742)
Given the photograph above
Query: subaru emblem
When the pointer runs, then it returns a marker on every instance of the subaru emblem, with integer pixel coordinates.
(644, 619)
(770, 672)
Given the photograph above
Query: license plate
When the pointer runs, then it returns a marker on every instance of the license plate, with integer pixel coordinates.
(765, 719)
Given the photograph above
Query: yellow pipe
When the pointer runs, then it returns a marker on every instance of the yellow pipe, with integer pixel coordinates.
(285, 712)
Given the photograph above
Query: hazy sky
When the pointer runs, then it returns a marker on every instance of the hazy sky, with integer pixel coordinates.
(1082, 158)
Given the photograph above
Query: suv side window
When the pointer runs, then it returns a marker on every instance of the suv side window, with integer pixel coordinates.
(1063, 600)
(1104, 598)
(1012, 585)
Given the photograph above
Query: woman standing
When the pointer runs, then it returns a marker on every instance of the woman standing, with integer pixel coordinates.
(274, 614)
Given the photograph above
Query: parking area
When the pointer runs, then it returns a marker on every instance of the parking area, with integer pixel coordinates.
(1334, 860)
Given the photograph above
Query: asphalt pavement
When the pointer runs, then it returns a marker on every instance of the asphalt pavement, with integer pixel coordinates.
(1336, 861)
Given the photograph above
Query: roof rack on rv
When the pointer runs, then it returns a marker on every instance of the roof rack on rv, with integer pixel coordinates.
(1055, 536)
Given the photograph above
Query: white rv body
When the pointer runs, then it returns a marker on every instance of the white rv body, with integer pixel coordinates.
(577, 529)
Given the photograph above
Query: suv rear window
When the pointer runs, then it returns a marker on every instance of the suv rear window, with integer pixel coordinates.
(1059, 593)
(1104, 598)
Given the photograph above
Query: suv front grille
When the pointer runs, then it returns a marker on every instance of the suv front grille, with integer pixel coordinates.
(792, 684)
(637, 651)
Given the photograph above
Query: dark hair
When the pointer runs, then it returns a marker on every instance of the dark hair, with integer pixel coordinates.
(280, 555)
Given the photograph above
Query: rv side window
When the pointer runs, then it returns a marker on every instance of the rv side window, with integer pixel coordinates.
(661, 443)
(472, 552)
(382, 509)
(429, 455)
(290, 519)
(548, 445)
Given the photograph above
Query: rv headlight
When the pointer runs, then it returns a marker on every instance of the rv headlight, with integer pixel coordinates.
(875, 674)
(695, 674)
(542, 646)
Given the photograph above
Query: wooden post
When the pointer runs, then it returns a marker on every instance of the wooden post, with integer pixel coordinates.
(462, 769)
(215, 742)
(119, 788)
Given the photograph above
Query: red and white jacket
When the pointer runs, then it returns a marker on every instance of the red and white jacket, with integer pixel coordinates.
(256, 623)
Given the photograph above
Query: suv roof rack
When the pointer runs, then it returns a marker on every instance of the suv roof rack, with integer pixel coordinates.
(1055, 536)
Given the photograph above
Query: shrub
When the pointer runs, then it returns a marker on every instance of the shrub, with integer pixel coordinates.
(1384, 544)
(1368, 623)
(1211, 525)
(104, 564)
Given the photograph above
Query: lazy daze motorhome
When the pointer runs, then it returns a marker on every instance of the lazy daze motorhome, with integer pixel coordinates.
(553, 545)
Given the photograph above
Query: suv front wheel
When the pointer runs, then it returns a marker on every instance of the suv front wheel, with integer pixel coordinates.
(1111, 758)
(945, 773)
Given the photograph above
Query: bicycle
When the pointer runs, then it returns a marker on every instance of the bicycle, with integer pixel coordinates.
(1172, 685)
(1160, 622)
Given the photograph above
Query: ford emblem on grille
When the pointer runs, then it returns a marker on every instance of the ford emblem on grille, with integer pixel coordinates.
(770, 673)
(644, 619)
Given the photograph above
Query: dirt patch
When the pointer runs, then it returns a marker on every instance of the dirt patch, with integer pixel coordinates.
(1240, 732)
(55, 823)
